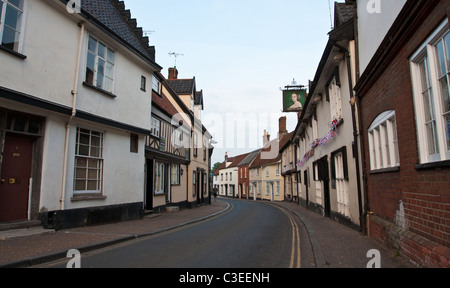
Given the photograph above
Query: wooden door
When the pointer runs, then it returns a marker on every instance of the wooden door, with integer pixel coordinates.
(15, 178)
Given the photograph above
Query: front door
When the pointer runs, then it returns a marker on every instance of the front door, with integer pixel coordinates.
(15, 178)
(149, 189)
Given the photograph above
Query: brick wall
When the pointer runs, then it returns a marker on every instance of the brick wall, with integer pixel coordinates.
(425, 194)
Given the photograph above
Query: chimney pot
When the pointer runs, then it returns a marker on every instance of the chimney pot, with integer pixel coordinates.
(173, 73)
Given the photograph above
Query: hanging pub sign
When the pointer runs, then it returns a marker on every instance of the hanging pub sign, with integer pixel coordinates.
(294, 98)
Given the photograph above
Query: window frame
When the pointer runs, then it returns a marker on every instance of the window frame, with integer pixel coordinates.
(21, 30)
(155, 127)
(99, 159)
(143, 83)
(428, 51)
(156, 84)
(159, 187)
(383, 142)
(175, 174)
(107, 61)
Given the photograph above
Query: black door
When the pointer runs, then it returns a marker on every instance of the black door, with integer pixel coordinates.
(324, 176)
(306, 180)
(149, 188)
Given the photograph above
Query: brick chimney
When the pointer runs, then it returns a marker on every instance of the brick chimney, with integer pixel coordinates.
(282, 127)
(266, 138)
(173, 73)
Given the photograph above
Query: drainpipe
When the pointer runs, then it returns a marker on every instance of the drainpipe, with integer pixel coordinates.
(74, 112)
(362, 213)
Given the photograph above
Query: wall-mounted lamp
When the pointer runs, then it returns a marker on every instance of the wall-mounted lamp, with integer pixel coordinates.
(353, 101)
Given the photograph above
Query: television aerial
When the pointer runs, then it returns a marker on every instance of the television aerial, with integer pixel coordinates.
(176, 56)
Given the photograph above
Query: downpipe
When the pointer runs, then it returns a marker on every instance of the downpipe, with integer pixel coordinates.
(74, 93)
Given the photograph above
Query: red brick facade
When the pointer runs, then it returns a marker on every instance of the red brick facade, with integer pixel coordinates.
(423, 191)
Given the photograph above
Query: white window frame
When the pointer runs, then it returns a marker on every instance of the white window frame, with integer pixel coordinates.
(97, 59)
(343, 193)
(92, 155)
(155, 127)
(156, 84)
(160, 173)
(428, 52)
(175, 174)
(20, 23)
(335, 100)
(383, 142)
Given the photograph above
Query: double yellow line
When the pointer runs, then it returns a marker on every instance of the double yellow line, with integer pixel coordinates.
(295, 250)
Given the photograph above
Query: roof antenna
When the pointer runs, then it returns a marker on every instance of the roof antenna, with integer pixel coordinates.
(148, 32)
(331, 15)
(175, 55)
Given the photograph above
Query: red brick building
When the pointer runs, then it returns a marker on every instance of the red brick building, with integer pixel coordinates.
(405, 128)
(244, 174)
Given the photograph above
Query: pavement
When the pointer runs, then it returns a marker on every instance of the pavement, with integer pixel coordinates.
(334, 245)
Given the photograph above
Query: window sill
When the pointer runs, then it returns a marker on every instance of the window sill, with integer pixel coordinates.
(385, 170)
(433, 165)
(10, 51)
(88, 197)
(99, 90)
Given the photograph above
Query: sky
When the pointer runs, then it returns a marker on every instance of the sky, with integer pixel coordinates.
(241, 54)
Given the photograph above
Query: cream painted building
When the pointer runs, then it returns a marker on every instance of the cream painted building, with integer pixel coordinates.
(325, 140)
(266, 180)
(200, 148)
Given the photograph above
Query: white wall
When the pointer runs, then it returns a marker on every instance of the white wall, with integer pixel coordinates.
(51, 50)
(51, 40)
(131, 105)
(50, 43)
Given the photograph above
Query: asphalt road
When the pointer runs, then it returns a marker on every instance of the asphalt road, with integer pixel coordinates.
(250, 235)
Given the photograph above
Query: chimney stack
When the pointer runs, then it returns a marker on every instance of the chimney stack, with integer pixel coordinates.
(173, 73)
(266, 138)
(226, 158)
(282, 127)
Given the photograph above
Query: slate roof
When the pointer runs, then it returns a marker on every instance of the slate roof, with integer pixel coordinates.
(247, 160)
(237, 160)
(112, 15)
(182, 86)
(199, 98)
(343, 13)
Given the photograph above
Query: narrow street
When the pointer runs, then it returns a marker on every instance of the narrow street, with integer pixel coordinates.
(250, 235)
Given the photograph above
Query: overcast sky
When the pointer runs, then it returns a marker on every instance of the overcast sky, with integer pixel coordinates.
(241, 53)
